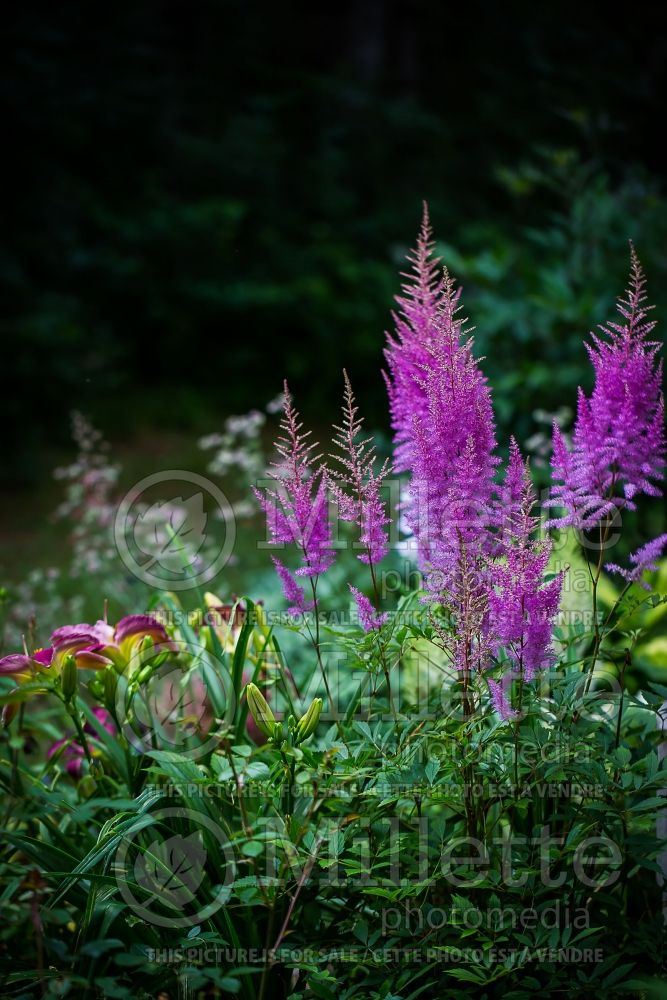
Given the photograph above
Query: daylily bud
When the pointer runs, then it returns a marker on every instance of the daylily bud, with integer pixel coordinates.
(69, 679)
(110, 683)
(146, 644)
(308, 722)
(87, 786)
(260, 711)
(8, 713)
(96, 769)
(206, 637)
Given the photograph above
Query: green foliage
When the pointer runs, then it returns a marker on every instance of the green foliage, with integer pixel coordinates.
(408, 847)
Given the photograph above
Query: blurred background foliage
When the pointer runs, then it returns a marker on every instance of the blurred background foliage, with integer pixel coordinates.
(201, 199)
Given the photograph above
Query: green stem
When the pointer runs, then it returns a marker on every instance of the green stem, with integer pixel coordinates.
(74, 713)
(626, 663)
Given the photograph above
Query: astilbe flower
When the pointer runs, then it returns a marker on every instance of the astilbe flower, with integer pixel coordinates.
(464, 593)
(356, 487)
(618, 446)
(453, 463)
(522, 607)
(643, 560)
(500, 699)
(407, 351)
(444, 434)
(475, 543)
(292, 592)
(441, 414)
(370, 619)
(297, 509)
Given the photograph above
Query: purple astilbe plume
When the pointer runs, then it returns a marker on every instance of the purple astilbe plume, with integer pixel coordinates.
(500, 700)
(643, 560)
(441, 413)
(618, 446)
(370, 618)
(464, 593)
(407, 351)
(356, 487)
(297, 510)
(522, 607)
(292, 592)
(453, 464)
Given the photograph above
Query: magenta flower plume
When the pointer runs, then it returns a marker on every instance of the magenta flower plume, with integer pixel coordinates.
(370, 618)
(618, 446)
(356, 487)
(292, 592)
(522, 607)
(297, 509)
(500, 700)
(444, 430)
(453, 464)
(407, 351)
(643, 560)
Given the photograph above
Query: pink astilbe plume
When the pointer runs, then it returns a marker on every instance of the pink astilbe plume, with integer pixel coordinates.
(370, 618)
(500, 700)
(643, 560)
(292, 592)
(356, 486)
(618, 446)
(297, 510)
(444, 430)
(464, 593)
(522, 607)
(407, 351)
(453, 464)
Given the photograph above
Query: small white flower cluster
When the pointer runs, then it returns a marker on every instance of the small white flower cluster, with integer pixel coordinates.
(239, 452)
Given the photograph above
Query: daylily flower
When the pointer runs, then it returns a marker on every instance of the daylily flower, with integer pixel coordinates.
(97, 646)
(94, 647)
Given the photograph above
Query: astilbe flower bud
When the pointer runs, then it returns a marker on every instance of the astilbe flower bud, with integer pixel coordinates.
(356, 486)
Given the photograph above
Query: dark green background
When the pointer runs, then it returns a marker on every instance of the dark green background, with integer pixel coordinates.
(203, 197)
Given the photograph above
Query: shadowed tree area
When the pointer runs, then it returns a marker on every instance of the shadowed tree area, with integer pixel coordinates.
(202, 197)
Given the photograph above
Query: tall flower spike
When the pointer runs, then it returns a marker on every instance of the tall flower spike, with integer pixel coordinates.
(407, 351)
(454, 439)
(618, 447)
(522, 607)
(356, 487)
(297, 510)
